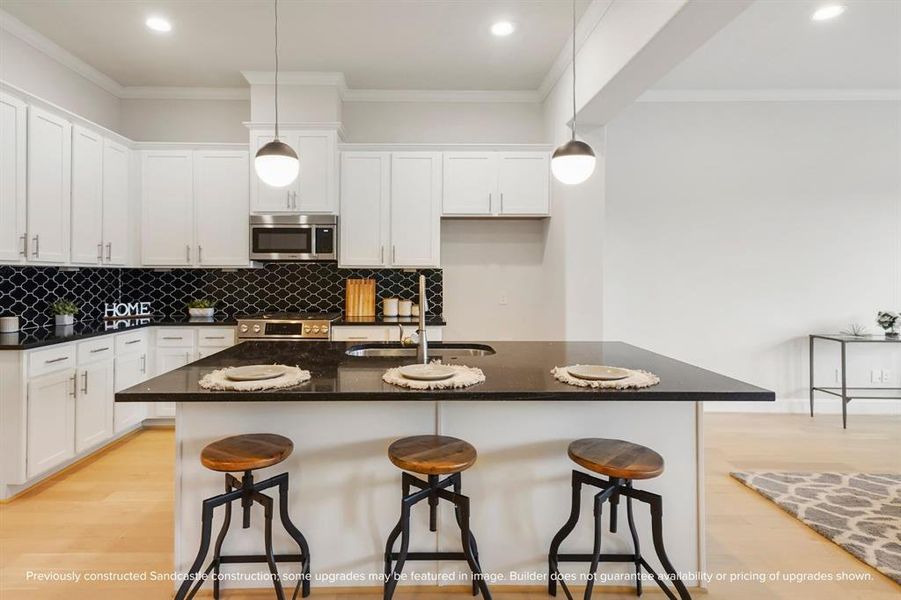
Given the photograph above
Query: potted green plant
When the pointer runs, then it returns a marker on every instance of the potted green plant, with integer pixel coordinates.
(889, 321)
(64, 311)
(203, 307)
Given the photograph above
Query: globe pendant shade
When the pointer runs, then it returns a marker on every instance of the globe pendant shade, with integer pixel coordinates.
(276, 164)
(573, 162)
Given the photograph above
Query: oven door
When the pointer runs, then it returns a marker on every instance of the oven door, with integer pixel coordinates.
(282, 242)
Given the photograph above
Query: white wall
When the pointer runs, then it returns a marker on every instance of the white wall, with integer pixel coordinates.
(449, 122)
(33, 71)
(735, 229)
(185, 120)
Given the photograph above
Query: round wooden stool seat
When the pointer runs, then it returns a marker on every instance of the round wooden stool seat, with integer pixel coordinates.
(246, 452)
(616, 458)
(432, 454)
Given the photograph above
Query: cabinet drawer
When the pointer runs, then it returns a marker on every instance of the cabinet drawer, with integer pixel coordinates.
(362, 333)
(96, 349)
(215, 337)
(52, 359)
(174, 337)
(135, 341)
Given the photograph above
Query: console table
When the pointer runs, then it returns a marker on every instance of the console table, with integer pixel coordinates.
(844, 392)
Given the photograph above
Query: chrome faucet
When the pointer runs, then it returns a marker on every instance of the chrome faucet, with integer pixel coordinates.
(422, 353)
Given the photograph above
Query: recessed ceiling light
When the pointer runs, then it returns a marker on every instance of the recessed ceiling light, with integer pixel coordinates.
(158, 24)
(502, 28)
(830, 11)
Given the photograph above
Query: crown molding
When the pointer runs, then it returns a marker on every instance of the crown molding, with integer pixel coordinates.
(39, 42)
(585, 27)
(184, 93)
(519, 96)
(324, 78)
(773, 95)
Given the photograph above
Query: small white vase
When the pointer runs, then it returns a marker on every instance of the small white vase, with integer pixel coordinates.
(201, 312)
(65, 319)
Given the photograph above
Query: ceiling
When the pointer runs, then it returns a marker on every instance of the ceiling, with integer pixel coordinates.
(775, 45)
(377, 44)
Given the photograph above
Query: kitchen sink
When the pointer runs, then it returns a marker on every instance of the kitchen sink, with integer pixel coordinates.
(436, 350)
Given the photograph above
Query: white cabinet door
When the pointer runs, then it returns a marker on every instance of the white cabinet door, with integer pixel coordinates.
(169, 359)
(470, 183)
(167, 207)
(13, 144)
(365, 197)
(94, 405)
(524, 183)
(115, 203)
(221, 210)
(131, 369)
(50, 429)
(316, 186)
(415, 209)
(87, 196)
(49, 192)
(264, 197)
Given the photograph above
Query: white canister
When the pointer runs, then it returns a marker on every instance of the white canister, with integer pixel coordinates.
(415, 310)
(405, 308)
(389, 307)
(9, 324)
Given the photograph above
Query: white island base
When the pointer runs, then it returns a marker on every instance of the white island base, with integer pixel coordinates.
(345, 493)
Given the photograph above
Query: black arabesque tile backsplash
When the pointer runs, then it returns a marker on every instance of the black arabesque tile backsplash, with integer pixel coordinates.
(308, 287)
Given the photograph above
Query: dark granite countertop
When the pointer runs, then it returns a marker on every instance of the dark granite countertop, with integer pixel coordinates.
(430, 321)
(37, 337)
(518, 371)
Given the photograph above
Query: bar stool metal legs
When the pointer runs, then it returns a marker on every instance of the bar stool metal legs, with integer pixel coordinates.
(433, 490)
(610, 491)
(248, 492)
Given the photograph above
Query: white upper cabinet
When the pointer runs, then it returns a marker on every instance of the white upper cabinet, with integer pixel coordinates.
(316, 188)
(512, 184)
(167, 190)
(365, 206)
(13, 117)
(415, 209)
(115, 203)
(470, 183)
(524, 183)
(49, 192)
(87, 196)
(220, 207)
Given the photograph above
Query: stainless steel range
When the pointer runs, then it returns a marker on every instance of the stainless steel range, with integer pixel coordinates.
(286, 326)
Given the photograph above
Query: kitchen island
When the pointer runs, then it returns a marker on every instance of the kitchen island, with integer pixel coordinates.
(345, 494)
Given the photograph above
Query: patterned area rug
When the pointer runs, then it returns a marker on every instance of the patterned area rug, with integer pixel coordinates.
(861, 512)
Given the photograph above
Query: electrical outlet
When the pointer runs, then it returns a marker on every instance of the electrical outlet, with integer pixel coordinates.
(503, 301)
(875, 376)
(886, 376)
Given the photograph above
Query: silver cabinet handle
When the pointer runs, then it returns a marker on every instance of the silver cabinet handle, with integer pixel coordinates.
(74, 392)
(188, 252)
(188, 356)
(84, 383)
(143, 364)
(382, 255)
(129, 342)
(288, 199)
(199, 253)
(35, 247)
(214, 337)
(502, 201)
(393, 253)
(55, 360)
(99, 252)
(24, 238)
(357, 337)
(109, 251)
(172, 337)
(104, 349)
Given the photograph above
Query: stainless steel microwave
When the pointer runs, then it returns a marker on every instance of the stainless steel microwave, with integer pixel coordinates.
(293, 237)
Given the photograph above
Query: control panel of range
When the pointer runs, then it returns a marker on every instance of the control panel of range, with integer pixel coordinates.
(286, 326)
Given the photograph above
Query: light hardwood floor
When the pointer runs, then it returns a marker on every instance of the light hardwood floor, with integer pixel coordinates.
(114, 513)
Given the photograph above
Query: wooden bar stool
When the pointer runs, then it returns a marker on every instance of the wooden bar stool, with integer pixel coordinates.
(621, 462)
(433, 456)
(247, 453)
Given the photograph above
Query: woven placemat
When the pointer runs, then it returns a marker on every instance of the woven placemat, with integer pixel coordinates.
(637, 379)
(216, 380)
(464, 377)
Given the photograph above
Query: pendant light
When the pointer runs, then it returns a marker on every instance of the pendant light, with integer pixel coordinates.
(574, 161)
(276, 163)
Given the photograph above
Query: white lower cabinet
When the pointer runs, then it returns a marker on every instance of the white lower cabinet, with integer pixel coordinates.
(381, 333)
(131, 369)
(168, 359)
(50, 421)
(94, 404)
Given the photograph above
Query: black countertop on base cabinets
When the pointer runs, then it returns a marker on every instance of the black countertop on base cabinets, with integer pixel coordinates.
(517, 371)
(37, 337)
